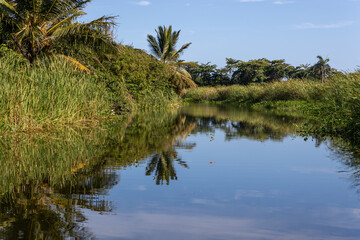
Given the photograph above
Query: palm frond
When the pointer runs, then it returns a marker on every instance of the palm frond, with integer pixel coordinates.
(181, 78)
(75, 62)
(9, 6)
(154, 46)
(49, 25)
(177, 53)
(163, 46)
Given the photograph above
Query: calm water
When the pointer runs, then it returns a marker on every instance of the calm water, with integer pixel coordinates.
(206, 172)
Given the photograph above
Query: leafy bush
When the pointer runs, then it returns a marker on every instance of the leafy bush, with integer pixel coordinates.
(135, 78)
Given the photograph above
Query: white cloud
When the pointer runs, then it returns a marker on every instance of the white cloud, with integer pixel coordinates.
(141, 188)
(324, 26)
(248, 194)
(142, 3)
(280, 2)
(243, 1)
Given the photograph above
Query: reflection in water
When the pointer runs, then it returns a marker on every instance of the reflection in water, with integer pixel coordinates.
(48, 179)
(242, 123)
(33, 214)
(349, 155)
(162, 166)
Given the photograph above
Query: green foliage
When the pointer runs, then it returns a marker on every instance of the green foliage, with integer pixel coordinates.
(136, 79)
(33, 27)
(321, 69)
(285, 90)
(340, 113)
(163, 46)
(48, 92)
(209, 75)
(335, 105)
(258, 71)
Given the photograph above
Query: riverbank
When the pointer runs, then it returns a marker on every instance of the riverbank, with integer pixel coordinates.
(53, 92)
(335, 105)
(47, 93)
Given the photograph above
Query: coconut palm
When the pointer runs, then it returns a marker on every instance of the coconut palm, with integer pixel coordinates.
(322, 68)
(163, 46)
(36, 27)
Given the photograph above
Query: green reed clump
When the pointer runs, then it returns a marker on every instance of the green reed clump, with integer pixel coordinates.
(340, 110)
(46, 93)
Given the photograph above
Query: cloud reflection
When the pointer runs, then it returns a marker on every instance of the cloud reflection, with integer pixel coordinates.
(167, 226)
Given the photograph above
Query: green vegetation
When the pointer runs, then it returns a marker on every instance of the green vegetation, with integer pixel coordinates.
(57, 70)
(136, 80)
(34, 28)
(45, 93)
(287, 90)
(258, 71)
(163, 46)
(335, 105)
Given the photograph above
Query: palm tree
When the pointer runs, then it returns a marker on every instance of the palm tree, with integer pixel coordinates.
(163, 46)
(322, 68)
(33, 27)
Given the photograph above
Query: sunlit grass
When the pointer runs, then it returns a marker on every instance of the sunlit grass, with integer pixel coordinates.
(287, 90)
(50, 92)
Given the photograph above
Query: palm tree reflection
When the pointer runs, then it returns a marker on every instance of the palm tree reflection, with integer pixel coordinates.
(162, 166)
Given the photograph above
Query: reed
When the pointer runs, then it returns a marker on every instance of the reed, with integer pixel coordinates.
(49, 92)
(287, 90)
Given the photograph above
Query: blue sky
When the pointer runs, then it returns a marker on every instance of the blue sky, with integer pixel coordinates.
(294, 30)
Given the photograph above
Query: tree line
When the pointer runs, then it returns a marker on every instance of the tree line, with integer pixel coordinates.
(258, 71)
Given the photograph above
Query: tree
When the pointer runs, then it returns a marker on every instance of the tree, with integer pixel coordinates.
(231, 65)
(163, 46)
(34, 28)
(260, 71)
(322, 68)
(252, 71)
(302, 71)
(209, 75)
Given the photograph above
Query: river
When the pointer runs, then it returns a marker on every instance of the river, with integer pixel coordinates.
(202, 172)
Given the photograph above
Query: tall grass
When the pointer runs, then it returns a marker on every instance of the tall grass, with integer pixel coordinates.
(47, 93)
(340, 110)
(289, 90)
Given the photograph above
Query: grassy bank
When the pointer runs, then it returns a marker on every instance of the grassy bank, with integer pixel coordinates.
(335, 105)
(277, 91)
(47, 93)
(53, 91)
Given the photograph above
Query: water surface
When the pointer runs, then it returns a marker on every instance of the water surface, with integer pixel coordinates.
(205, 172)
